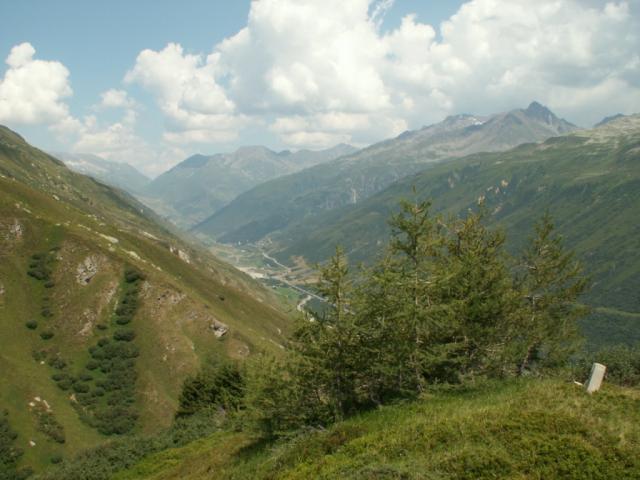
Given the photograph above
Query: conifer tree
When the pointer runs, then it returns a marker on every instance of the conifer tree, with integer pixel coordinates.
(477, 289)
(415, 246)
(442, 305)
(551, 282)
(386, 371)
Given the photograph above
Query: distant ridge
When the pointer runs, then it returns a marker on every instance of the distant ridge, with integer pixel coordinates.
(279, 204)
(117, 174)
(606, 120)
(589, 180)
(198, 186)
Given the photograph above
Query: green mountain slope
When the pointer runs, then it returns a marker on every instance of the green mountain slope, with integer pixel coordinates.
(103, 310)
(524, 430)
(275, 205)
(200, 185)
(588, 180)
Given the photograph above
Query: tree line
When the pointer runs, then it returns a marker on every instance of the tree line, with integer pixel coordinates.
(444, 304)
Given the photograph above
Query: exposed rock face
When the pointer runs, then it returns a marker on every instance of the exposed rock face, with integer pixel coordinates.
(11, 229)
(182, 255)
(219, 328)
(87, 270)
(15, 229)
(89, 318)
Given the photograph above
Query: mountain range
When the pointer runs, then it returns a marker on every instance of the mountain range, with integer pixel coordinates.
(200, 185)
(588, 180)
(277, 204)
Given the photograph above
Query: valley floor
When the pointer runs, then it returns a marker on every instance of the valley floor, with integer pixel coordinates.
(290, 283)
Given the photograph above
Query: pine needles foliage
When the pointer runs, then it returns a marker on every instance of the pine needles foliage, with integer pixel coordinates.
(444, 304)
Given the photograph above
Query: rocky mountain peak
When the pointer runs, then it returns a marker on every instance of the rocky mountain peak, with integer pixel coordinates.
(540, 112)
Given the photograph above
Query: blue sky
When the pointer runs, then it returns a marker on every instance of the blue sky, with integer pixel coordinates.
(381, 73)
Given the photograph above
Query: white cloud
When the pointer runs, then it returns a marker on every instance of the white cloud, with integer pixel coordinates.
(323, 72)
(494, 54)
(319, 73)
(114, 98)
(326, 129)
(119, 142)
(32, 91)
(195, 105)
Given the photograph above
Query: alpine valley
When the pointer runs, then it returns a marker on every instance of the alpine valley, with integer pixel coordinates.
(332, 240)
(124, 333)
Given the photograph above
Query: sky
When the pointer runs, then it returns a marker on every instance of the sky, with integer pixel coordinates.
(150, 82)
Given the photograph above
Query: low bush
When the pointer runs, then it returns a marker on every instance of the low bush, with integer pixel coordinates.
(110, 405)
(79, 387)
(31, 324)
(57, 362)
(48, 424)
(64, 384)
(38, 268)
(40, 354)
(124, 335)
(132, 275)
(124, 320)
(92, 365)
(9, 453)
(103, 462)
(219, 386)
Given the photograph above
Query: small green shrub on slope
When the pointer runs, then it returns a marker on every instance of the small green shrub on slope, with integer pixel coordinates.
(106, 399)
(102, 462)
(9, 453)
(220, 386)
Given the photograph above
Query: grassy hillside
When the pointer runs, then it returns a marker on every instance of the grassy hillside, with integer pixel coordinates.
(275, 205)
(66, 245)
(528, 429)
(589, 181)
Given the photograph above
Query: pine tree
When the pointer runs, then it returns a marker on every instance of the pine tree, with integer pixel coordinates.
(415, 246)
(477, 289)
(326, 355)
(442, 305)
(551, 282)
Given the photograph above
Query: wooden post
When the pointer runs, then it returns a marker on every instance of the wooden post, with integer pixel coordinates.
(596, 377)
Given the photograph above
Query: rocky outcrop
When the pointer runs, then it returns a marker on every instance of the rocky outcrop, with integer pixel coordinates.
(219, 329)
(11, 229)
(87, 270)
(182, 255)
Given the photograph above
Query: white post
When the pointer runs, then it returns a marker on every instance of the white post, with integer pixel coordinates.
(596, 377)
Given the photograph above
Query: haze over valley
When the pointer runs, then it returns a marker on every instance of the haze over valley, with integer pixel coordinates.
(273, 239)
